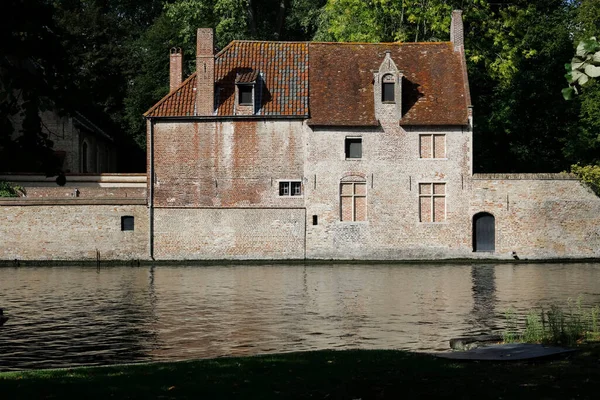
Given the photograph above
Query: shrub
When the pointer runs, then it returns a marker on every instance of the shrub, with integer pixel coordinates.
(8, 189)
(588, 174)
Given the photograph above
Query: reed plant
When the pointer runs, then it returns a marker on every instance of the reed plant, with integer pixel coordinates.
(555, 325)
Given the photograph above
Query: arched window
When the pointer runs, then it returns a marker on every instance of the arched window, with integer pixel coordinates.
(388, 88)
(84, 157)
(353, 199)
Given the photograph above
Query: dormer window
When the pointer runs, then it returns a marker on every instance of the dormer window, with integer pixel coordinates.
(387, 90)
(246, 95)
(388, 84)
(247, 90)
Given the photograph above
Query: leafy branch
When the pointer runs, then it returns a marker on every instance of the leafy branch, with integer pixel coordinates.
(584, 66)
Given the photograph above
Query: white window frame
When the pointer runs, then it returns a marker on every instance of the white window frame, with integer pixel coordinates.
(361, 148)
(432, 135)
(433, 196)
(289, 182)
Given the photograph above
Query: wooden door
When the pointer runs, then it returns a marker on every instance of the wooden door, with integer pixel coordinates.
(484, 232)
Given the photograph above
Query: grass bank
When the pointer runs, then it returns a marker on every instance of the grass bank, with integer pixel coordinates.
(318, 375)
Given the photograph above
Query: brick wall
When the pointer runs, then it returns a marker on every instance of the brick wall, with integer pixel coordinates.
(72, 232)
(539, 216)
(227, 164)
(217, 190)
(216, 233)
(393, 171)
(114, 186)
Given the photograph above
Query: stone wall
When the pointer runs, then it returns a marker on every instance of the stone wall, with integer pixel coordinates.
(114, 186)
(232, 233)
(539, 216)
(217, 190)
(226, 164)
(392, 169)
(34, 231)
(76, 221)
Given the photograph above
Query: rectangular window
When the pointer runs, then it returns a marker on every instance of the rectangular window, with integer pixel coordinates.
(432, 146)
(353, 201)
(353, 147)
(127, 223)
(387, 93)
(290, 188)
(245, 95)
(432, 202)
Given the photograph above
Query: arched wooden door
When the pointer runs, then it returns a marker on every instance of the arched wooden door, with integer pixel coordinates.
(484, 232)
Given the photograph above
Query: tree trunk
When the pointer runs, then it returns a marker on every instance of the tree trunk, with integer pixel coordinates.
(252, 18)
(281, 18)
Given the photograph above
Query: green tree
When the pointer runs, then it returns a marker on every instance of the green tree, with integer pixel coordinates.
(522, 123)
(33, 77)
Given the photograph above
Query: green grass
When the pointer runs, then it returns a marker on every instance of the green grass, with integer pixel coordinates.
(317, 375)
(555, 325)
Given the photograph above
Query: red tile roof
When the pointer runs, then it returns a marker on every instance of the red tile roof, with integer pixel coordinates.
(249, 76)
(179, 103)
(283, 67)
(434, 88)
(341, 83)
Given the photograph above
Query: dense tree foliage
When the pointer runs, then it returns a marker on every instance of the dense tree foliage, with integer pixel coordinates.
(109, 60)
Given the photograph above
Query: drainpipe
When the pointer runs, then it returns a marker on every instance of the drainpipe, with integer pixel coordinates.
(151, 194)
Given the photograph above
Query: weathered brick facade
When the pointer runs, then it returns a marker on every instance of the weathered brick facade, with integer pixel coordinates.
(539, 215)
(275, 150)
(82, 220)
(71, 231)
(381, 172)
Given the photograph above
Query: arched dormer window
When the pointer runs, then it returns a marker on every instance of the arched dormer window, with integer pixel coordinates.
(388, 88)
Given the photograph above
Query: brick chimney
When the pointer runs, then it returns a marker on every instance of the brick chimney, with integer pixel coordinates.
(175, 68)
(457, 30)
(205, 72)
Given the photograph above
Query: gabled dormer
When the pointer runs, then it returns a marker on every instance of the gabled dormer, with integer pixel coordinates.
(247, 92)
(387, 90)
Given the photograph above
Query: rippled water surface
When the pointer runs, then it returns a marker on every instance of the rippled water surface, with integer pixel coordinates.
(67, 316)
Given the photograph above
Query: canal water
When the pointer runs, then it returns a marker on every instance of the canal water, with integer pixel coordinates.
(72, 316)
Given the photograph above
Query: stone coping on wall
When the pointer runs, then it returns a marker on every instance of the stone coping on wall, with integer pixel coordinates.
(81, 180)
(562, 176)
(147, 262)
(45, 201)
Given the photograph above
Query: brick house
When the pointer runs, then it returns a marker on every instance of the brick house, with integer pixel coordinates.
(293, 150)
(79, 145)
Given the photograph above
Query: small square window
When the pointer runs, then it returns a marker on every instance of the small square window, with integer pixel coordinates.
(387, 92)
(353, 148)
(127, 223)
(290, 188)
(245, 95)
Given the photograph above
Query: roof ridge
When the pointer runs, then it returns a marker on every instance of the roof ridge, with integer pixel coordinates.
(378, 43)
(220, 52)
(272, 41)
(168, 95)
